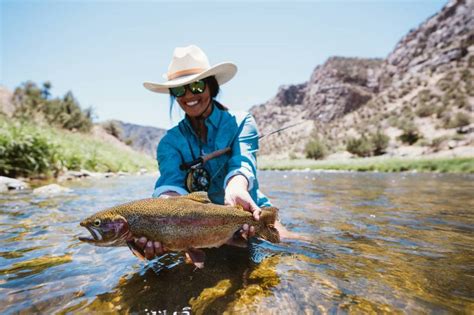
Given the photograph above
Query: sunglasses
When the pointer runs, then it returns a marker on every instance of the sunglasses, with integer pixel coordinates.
(197, 87)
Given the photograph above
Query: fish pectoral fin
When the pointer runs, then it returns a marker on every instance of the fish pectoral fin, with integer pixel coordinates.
(199, 196)
(197, 256)
(137, 251)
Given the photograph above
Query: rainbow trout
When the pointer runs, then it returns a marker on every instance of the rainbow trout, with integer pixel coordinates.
(184, 223)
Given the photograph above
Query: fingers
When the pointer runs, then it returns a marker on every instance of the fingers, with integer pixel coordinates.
(255, 210)
(252, 231)
(141, 242)
(247, 232)
(150, 248)
(159, 250)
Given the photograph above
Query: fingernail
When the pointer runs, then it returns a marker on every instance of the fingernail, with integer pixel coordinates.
(149, 244)
(245, 227)
(142, 239)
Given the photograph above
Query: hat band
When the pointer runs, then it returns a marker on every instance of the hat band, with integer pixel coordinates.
(181, 73)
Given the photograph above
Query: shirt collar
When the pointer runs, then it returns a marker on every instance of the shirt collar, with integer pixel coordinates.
(214, 118)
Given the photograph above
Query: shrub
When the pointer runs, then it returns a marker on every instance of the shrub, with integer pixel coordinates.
(425, 110)
(374, 144)
(315, 149)
(461, 119)
(379, 142)
(26, 154)
(439, 110)
(424, 96)
(292, 156)
(112, 128)
(436, 143)
(360, 147)
(410, 134)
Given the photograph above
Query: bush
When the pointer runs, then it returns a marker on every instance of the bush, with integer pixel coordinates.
(437, 143)
(410, 134)
(461, 119)
(425, 110)
(25, 154)
(424, 96)
(374, 144)
(112, 128)
(361, 147)
(380, 142)
(315, 149)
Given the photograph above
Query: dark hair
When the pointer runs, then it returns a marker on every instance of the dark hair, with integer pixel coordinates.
(211, 82)
(214, 90)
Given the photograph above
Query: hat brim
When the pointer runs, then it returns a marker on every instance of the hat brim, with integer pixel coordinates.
(223, 72)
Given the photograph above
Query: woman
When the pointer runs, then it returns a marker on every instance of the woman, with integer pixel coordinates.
(208, 126)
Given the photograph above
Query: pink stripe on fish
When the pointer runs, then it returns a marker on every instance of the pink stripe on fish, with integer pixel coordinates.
(191, 221)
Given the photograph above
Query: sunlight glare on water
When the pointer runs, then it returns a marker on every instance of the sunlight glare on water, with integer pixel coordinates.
(379, 242)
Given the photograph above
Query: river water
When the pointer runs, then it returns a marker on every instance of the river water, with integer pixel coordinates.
(379, 243)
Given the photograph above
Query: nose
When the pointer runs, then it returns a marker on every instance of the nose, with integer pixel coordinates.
(188, 93)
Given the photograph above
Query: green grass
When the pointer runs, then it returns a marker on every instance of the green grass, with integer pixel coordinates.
(61, 150)
(381, 164)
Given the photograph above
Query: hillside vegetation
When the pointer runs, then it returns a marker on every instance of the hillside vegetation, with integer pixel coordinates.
(45, 137)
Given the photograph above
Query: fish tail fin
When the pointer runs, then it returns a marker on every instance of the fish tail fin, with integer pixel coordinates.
(268, 231)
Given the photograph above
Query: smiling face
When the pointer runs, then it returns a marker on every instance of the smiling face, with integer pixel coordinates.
(196, 105)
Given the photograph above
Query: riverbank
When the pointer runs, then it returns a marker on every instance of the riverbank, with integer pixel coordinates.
(380, 164)
(31, 150)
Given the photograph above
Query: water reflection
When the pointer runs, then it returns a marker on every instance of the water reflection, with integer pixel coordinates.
(380, 243)
(173, 287)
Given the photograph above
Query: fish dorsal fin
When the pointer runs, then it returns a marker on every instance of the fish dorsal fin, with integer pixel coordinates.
(199, 196)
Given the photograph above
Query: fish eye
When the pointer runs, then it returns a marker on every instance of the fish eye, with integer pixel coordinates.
(97, 222)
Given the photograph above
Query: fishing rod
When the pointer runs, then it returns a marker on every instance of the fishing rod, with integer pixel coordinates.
(204, 158)
(198, 178)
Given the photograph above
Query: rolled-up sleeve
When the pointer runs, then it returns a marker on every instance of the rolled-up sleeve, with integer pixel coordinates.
(171, 177)
(244, 150)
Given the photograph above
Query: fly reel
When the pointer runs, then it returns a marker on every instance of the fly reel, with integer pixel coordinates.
(197, 179)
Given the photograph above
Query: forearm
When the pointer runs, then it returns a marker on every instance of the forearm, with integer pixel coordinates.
(237, 183)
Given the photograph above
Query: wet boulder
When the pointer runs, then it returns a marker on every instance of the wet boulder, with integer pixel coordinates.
(7, 183)
(52, 189)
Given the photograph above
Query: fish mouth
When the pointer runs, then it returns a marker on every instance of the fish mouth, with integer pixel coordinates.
(96, 236)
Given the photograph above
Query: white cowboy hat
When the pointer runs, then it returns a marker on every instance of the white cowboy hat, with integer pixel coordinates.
(190, 64)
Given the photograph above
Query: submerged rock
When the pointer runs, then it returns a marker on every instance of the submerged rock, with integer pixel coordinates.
(7, 183)
(51, 190)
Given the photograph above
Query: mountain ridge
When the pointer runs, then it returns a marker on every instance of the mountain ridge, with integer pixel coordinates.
(424, 86)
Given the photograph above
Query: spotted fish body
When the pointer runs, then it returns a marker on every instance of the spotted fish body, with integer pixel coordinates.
(179, 223)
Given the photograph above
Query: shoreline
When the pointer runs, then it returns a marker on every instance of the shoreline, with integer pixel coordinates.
(379, 164)
(31, 183)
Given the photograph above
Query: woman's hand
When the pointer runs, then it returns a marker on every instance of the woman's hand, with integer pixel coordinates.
(236, 193)
(150, 248)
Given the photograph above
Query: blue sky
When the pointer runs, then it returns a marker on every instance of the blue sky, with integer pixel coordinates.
(104, 50)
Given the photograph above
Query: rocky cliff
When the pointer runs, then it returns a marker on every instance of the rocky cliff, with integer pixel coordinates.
(425, 83)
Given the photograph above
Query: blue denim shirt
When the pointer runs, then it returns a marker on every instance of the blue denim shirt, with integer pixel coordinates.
(224, 128)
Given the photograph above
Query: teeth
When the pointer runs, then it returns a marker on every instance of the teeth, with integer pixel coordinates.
(96, 234)
(191, 103)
